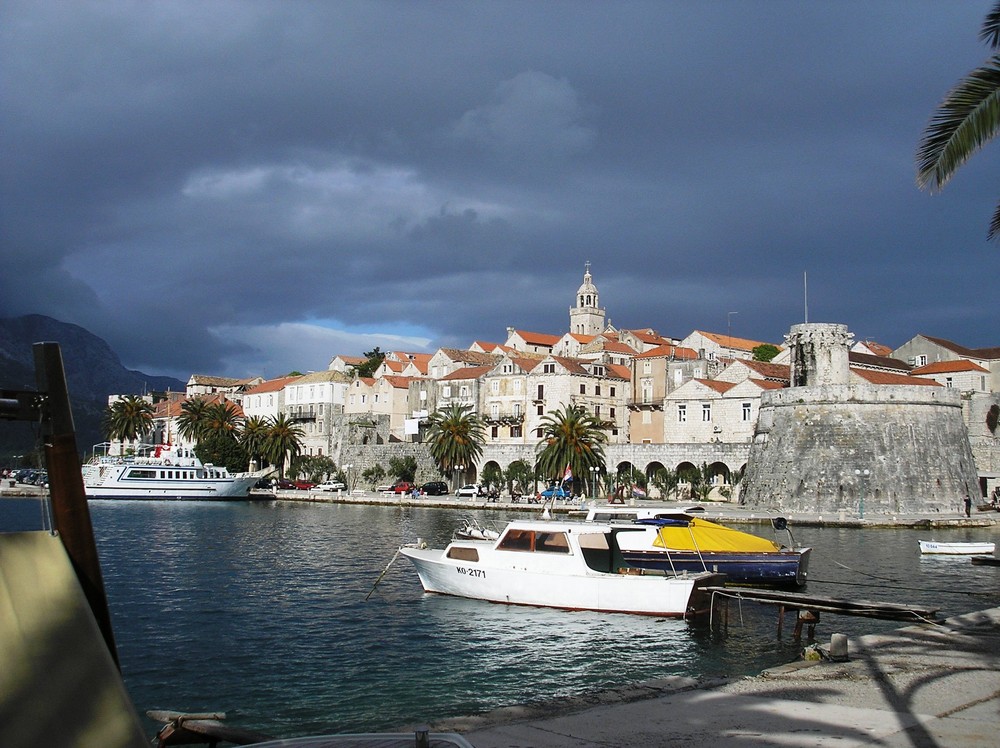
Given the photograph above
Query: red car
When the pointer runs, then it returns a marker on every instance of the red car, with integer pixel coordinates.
(403, 487)
(303, 485)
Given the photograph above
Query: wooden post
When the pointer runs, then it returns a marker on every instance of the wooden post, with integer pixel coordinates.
(70, 513)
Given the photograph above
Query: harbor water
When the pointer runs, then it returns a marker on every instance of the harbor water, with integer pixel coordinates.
(259, 609)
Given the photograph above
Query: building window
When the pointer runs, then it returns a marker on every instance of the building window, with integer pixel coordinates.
(517, 409)
(611, 415)
(446, 391)
(517, 386)
(423, 396)
(682, 413)
(494, 432)
(541, 410)
(647, 417)
(647, 390)
(541, 392)
(706, 412)
(463, 391)
(538, 433)
(921, 360)
(612, 392)
(947, 382)
(597, 389)
(597, 411)
(494, 410)
(495, 386)
(746, 411)
(647, 367)
(515, 432)
(548, 368)
(583, 389)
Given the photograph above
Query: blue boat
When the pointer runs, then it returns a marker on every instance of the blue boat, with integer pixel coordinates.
(677, 542)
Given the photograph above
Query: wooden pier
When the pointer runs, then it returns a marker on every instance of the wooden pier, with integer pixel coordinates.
(809, 607)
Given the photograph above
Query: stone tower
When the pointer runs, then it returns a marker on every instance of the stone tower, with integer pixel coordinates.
(586, 317)
(838, 445)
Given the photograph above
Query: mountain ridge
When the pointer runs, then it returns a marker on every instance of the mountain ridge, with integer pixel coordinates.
(93, 372)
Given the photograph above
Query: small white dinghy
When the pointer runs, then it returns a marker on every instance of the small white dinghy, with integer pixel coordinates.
(956, 549)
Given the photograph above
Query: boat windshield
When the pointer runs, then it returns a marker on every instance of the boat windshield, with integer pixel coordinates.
(534, 541)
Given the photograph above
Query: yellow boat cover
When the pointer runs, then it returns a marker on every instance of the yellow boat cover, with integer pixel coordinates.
(703, 535)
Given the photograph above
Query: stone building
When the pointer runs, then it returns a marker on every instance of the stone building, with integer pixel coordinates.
(838, 443)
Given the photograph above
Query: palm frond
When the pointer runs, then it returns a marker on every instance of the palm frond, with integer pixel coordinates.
(967, 119)
(994, 231)
(990, 32)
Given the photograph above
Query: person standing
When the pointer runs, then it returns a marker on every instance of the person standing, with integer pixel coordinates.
(968, 505)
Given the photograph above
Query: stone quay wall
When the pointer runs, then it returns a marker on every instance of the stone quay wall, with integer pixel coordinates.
(811, 443)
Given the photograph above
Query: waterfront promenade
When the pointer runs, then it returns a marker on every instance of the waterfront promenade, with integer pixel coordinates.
(926, 685)
(713, 510)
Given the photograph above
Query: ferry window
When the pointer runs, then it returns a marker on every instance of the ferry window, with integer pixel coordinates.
(516, 540)
(138, 473)
(464, 554)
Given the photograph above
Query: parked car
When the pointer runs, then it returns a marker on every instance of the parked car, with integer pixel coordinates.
(304, 485)
(331, 485)
(434, 488)
(384, 488)
(472, 490)
(283, 485)
(402, 487)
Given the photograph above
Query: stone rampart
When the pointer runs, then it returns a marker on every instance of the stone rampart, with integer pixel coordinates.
(813, 445)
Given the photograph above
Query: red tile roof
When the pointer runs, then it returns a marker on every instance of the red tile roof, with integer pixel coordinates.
(885, 377)
(944, 367)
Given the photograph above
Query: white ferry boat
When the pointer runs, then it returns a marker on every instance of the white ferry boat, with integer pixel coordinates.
(163, 472)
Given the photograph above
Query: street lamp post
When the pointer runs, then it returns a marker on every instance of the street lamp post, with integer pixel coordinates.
(595, 471)
(459, 472)
(863, 479)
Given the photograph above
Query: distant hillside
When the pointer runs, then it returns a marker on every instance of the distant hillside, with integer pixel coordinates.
(93, 371)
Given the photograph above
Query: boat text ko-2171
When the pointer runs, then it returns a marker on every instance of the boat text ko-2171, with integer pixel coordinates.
(569, 565)
(163, 472)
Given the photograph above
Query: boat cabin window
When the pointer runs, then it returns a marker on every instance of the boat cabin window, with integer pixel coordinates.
(140, 473)
(462, 553)
(534, 541)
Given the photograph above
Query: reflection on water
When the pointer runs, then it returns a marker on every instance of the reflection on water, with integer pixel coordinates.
(258, 609)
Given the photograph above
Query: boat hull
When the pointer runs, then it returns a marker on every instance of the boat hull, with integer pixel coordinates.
(163, 481)
(778, 569)
(956, 549)
(557, 585)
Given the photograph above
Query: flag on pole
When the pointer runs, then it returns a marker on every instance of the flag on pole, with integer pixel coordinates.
(568, 475)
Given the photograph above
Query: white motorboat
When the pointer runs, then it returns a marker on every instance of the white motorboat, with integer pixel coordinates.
(956, 549)
(569, 565)
(164, 472)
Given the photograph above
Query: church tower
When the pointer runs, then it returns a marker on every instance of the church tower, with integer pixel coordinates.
(586, 318)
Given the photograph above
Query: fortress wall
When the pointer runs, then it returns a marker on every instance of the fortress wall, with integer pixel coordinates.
(810, 441)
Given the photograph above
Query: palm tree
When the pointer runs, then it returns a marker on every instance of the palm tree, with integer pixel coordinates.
(456, 437)
(191, 421)
(574, 438)
(283, 443)
(966, 120)
(221, 419)
(253, 436)
(128, 418)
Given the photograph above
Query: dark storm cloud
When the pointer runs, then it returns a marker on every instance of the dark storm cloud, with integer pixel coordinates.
(233, 187)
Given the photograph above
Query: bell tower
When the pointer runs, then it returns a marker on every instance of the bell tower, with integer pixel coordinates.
(586, 317)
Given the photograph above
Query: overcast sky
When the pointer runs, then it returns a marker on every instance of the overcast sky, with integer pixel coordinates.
(240, 188)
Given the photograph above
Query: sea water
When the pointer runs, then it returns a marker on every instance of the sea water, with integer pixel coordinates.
(259, 610)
